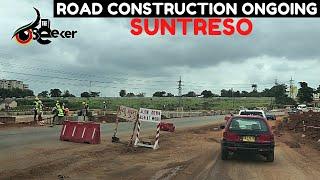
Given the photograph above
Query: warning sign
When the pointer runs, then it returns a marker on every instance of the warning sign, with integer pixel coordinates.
(149, 115)
(127, 113)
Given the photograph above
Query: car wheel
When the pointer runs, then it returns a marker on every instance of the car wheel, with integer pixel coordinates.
(224, 154)
(270, 156)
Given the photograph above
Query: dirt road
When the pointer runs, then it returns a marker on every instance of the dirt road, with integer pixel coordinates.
(186, 154)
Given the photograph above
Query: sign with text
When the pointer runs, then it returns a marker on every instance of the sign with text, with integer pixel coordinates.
(149, 115)
(127, 113)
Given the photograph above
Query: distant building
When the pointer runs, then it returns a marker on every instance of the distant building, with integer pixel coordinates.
(316, 96)
(292, 91)
(11, 84)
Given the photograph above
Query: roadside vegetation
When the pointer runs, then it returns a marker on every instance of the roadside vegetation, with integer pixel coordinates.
(276, 96)
(164, 103)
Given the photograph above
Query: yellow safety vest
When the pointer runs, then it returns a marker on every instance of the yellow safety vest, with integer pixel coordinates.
(60, 111)
(38, 106)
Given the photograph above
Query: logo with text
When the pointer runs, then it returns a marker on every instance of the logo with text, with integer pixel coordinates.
(40, 31)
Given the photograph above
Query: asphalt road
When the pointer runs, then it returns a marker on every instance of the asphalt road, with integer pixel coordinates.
(17, 139)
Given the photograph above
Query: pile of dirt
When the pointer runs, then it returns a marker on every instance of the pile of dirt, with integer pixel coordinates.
(311, 121)
(108, 118)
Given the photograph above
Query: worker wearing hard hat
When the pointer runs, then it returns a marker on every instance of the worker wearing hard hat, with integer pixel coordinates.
(104, 105)
(85, 109)
(59, 113)
(37, 109)
(61, 110)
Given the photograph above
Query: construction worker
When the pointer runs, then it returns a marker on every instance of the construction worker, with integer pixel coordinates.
(57, 104)
(55, 111)
(104, 105)
(37, 109)
(85, 109)
(61, 112)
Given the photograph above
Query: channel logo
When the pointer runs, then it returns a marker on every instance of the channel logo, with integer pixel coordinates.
(40, 31)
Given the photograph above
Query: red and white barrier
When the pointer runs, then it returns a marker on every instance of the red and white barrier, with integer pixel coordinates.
(148, 115)
(80, 132)
(166, 126)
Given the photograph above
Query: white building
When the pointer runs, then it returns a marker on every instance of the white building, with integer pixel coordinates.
(10, 84)
(292, 91)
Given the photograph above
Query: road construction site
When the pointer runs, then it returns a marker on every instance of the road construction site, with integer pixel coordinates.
(191, 152)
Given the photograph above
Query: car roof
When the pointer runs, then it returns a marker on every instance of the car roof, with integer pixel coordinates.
(252, 110)
(247, 117)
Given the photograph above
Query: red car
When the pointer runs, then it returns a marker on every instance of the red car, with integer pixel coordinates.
(249, 134)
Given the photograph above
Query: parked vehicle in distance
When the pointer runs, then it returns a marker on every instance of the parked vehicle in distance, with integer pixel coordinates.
(253, 113)
(302, 107)
(271, 117)
(248, 134)
(293, 111)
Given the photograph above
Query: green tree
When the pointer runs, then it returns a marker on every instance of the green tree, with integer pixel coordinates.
(43, 94)
(15, 92)
(226, 93)
(169, 95)
(123, 93)
(279, 92)
(236, 94)
(254, 87)
(159, 94)
(244, 94)
(141, 95)
(94, 94)
(55, 92)
(305, 93)
(318, 89)
(190, 94)
(67, 94)
(85, 94)
(130, 95)
(207, 94)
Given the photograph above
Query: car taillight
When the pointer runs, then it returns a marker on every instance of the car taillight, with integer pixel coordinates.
(265, 138)
(229, 136)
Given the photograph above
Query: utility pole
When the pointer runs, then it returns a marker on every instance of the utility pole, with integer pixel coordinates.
(180, 91)
(276, 82)
(232, 98)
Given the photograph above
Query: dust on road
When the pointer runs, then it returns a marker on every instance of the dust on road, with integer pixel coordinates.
(185, 154)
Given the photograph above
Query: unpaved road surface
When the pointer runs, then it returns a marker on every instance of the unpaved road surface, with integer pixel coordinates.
(189, 153)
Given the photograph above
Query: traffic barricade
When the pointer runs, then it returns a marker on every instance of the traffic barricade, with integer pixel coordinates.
(68, 130)
(81, 132)
(166, 126)
(92, 133)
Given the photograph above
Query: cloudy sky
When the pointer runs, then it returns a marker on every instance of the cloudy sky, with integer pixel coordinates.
(107, 55)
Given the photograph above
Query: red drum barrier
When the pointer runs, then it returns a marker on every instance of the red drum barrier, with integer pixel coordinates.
(165, 126)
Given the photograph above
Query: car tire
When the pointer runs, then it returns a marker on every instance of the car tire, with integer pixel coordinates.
(270, 156)
(224, 154)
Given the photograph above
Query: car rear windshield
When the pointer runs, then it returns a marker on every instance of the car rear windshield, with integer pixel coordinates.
(248, 124)
(252, 113)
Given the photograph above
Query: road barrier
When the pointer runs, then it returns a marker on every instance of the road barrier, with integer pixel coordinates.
(129, 114)
(166, 126)
(81, 132)
(148, 115)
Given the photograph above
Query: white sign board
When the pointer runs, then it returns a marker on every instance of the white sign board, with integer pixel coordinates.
(149, 115)
(127, 113)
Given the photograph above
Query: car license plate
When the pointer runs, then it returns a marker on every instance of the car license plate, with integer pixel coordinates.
(248, 139)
